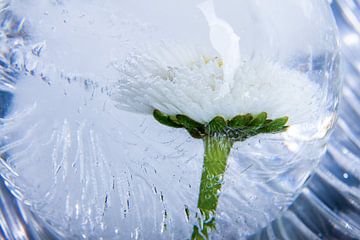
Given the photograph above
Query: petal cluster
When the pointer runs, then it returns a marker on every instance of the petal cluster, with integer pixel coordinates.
(187, 81)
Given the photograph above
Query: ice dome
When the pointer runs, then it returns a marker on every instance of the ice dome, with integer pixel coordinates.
(81, 79)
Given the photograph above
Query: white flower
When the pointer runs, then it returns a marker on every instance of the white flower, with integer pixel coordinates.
(183, 80)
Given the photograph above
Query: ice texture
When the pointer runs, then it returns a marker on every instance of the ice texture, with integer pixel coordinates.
(92, 170)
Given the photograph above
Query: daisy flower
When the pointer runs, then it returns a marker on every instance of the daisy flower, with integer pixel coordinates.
(183, 88)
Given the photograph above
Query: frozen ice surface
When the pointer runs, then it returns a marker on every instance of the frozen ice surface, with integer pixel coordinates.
(92, 170)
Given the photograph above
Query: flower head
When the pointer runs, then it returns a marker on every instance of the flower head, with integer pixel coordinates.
(188, 81)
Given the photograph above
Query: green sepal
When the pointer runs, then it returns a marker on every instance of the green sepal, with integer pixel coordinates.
(240, 121)
(258, 120)
(166, 119)
(195, 133)
(237, 129)
(217, 125)
(275, 126)
(189, 123)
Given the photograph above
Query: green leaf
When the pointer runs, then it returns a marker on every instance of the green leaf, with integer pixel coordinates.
(189, 123)
(240, 121)
(217, 125)
(259, 120)
(165, 119)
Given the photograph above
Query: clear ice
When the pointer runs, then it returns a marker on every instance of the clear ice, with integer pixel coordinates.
(92, 170)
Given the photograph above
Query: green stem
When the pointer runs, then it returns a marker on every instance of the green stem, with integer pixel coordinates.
(217, 150)
(219, 136)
